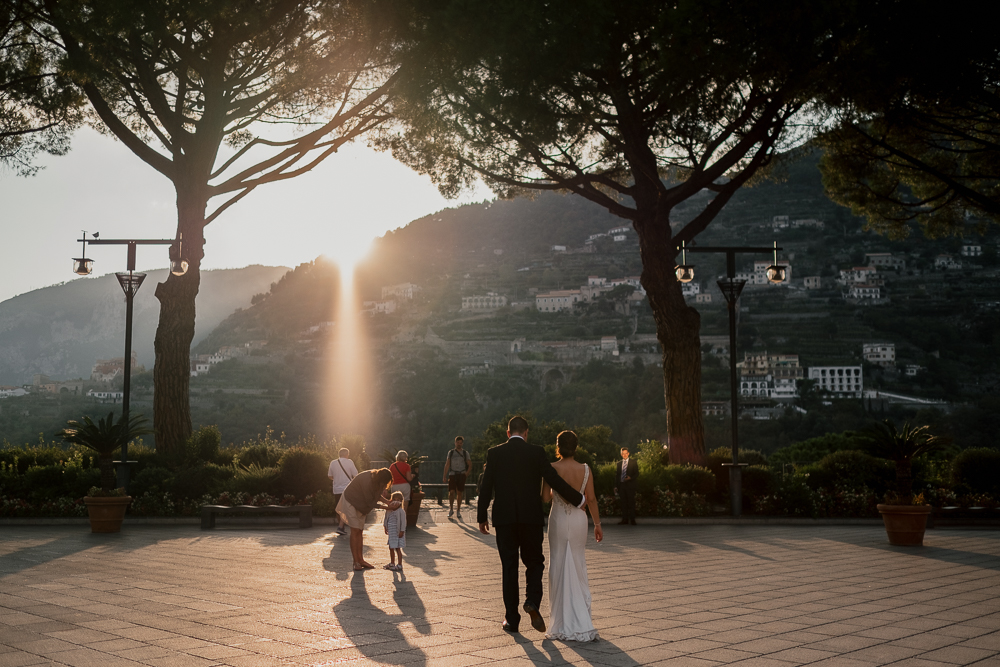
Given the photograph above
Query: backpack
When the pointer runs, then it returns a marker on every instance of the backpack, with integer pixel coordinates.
(465, 457)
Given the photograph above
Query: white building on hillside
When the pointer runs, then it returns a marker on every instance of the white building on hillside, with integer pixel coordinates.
(840, 381)
(883, 354)
(947, 262)
(489, 301)
(7, 392)
(864, 292)
(401, 291)
(558, 300)
(106, 396)
(885, 260)
(972, 250)
(858, 275)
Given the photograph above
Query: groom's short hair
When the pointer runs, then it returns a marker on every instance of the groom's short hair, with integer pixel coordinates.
(518, 425)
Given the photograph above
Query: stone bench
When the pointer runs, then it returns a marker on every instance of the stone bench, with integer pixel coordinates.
(209, 512)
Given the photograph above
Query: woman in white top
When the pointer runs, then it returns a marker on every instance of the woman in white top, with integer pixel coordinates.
(569, 590)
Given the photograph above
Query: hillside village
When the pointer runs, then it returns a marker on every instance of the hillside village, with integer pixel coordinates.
(463, 321)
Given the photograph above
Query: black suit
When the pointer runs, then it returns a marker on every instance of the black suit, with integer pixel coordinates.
(513, 479)
(626, 490)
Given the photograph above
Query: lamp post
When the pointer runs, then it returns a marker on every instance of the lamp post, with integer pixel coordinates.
(130, 281)
(731, 289)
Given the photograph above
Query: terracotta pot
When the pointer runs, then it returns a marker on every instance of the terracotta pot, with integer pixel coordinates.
(106, 514)
(413, 508)
(905, 524)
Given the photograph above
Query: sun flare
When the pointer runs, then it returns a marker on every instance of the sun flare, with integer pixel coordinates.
(348, 253)
(348, 383)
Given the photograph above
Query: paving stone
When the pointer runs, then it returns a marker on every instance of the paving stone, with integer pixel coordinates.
(749, 595)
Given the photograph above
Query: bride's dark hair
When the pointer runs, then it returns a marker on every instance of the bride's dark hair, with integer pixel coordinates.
(566, 444)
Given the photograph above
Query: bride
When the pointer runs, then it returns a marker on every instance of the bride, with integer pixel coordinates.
(569, 590)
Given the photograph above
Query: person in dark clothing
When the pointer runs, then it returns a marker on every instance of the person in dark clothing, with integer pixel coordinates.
(512, 480)
(625, 483)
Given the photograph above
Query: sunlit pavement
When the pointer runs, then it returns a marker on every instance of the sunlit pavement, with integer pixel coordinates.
(663, 595)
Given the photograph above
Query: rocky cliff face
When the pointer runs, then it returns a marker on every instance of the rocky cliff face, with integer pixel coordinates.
(61, 330)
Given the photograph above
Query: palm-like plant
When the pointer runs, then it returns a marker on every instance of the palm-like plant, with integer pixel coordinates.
(901, 446)
(105, 438)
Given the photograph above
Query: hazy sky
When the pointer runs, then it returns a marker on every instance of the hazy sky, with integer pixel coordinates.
(100, 186)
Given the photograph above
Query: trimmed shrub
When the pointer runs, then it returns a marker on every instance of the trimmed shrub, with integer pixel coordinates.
(976, 470)
(302, 472)
(814, 449)
(850, 470)
(199, 479)
(604, 479)
(153, 479)
(57, 481)
(254, 479)
(322, 504)
(203, 445)
(262, 454)
(757, 481)
(690, 479)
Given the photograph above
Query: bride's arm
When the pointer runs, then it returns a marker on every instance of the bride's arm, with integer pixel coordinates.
(592, 506)
(546, 492)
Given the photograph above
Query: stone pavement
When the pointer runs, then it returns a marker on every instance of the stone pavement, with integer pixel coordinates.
(663, 595)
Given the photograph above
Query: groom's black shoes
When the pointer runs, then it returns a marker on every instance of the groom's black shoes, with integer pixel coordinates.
(537, 622)
(507, 627)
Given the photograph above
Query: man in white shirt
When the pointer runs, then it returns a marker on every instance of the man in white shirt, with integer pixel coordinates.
(342, 471)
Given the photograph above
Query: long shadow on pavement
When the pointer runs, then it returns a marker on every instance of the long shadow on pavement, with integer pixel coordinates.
(375, 633)
(560, 653)
(26, 558)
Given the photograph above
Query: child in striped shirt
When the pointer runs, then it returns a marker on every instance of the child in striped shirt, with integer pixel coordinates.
(395, 527)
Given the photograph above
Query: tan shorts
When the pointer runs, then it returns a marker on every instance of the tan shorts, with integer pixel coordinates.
(351, 516)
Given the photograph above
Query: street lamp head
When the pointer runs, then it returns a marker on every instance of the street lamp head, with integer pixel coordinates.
(684, 273)
(82, 266)
(776, 273)
(178, 265)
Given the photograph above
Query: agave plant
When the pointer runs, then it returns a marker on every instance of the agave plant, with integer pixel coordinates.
(105, 438)
(901, 446)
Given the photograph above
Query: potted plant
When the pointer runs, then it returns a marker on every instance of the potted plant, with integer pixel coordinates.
(904, 515)
(105, 505)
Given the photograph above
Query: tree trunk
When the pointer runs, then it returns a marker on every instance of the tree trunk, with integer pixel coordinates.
(677, 328)
(904, 480)
(175, 331)
(107, 468)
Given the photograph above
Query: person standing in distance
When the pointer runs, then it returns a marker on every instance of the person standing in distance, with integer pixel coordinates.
(341, 472)
(513, 481)
(456, 468)
(625, 483)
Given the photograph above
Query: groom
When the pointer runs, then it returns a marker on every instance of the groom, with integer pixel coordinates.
(513, 479)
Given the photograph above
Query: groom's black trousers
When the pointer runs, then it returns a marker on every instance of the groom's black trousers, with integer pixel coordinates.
(524, 541)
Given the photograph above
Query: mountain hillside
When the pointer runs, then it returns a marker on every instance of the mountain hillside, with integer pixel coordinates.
(61, 330)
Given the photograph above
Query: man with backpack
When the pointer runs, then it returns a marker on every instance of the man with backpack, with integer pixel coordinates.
(456, 467)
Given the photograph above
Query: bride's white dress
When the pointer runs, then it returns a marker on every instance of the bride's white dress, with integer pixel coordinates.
(569, 591)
